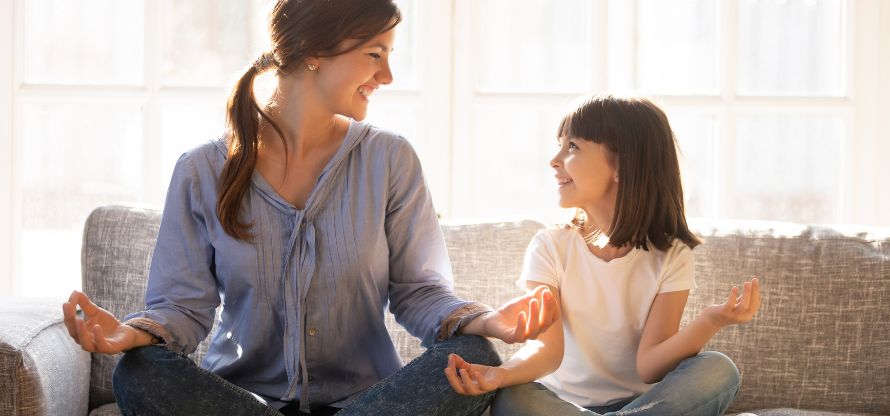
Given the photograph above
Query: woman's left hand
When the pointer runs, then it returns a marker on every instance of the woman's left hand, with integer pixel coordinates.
(522, 318)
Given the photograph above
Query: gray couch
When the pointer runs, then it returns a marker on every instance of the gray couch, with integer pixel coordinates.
(820, 344)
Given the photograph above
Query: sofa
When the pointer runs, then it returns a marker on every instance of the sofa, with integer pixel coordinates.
(820, 344)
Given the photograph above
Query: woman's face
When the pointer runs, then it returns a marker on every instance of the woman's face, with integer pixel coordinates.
(346, 82)
(585, 174)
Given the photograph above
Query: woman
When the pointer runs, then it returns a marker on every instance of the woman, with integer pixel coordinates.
(303, 223)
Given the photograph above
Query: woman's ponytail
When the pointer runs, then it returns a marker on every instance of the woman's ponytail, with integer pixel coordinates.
(243, 119)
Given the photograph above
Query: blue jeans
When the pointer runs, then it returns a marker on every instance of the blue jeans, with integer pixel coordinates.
(701, 385)
(157, 381)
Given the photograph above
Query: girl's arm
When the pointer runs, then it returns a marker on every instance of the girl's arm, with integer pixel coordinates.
(534, 360)
(662, 346)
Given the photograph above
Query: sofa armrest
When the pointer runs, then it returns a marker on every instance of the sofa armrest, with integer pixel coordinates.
(42, 370)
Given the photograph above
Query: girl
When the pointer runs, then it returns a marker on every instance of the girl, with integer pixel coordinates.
(303, 223)
(622, 271)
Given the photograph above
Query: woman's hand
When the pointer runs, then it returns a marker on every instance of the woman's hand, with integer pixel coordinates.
(473, 379)
(519, 319)
(99, 330)
(737, 309)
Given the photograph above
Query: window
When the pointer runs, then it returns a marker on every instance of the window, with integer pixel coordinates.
(776, 105)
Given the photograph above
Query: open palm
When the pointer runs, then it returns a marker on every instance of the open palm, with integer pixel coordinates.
(737, 309)
(524, 317)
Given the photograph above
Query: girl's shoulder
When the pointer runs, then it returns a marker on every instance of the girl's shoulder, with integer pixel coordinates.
(556, 238)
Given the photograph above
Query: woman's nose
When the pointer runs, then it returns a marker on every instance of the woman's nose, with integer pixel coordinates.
(384, 75)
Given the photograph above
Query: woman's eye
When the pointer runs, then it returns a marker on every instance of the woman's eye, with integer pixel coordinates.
(374, 55)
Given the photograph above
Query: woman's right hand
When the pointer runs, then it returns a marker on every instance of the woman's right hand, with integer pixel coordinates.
(473, 379)
(99, 330)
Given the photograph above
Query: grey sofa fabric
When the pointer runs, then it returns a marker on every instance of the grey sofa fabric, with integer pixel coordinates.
(819, 345)
(822, 337)
(41, 371)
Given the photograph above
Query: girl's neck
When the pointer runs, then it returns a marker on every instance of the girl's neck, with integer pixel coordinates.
(596, 228)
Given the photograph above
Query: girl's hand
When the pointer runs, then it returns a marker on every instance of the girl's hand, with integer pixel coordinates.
(736, 309)
(473, 379)
(522, 318)
(99, 331)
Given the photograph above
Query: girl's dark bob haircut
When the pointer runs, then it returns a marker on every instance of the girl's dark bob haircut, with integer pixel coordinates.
(649, 207)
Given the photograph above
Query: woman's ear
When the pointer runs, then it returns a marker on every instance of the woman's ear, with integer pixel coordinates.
(311, 63)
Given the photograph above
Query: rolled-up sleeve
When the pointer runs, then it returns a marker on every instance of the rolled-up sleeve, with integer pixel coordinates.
(420, 283)
(182, 293)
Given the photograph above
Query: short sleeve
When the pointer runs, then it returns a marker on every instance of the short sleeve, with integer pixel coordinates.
(678, 269)
(541, 263)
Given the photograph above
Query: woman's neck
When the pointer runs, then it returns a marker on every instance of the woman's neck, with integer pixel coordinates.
(303, 122)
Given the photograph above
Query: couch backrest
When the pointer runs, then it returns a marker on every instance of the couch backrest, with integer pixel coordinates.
(822, 337)
(821, 340)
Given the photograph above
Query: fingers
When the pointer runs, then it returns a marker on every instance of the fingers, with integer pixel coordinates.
(733, 298)
(471, 386)
(100, 341)
(70, 318)
(86, 305)
(521, 321)
(458, 375)
(533, 323)
(85, 336)
(451, 376)
(745, 301)
(549, 309)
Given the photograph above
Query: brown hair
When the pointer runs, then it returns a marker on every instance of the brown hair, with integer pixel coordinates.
(298, 29)
(649, 207)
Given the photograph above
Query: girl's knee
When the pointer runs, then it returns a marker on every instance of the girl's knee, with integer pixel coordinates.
(716, 370)
(514, 400)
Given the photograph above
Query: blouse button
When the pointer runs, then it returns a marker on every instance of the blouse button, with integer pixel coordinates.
(312, 332)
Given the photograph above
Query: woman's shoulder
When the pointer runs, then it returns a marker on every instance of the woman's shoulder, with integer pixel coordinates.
(212, 152)
(202, 160)
(378, 137)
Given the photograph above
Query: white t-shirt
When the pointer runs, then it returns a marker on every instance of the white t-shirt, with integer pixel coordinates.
(604, 308)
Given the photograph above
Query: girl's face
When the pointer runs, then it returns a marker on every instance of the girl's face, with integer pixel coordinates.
(346, 82)
(585, 174)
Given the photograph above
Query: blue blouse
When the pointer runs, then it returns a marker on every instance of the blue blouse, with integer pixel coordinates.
(303, 303)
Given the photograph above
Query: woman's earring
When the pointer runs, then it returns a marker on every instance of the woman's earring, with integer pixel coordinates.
(312, 67)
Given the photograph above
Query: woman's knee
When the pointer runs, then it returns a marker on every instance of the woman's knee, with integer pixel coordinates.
(474, 349)
(141, 367)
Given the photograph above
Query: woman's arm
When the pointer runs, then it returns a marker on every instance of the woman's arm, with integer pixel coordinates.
(535, 360)
(662, 346)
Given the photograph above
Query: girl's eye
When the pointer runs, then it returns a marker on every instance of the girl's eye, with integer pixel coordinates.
(572, 145)
(376, 56)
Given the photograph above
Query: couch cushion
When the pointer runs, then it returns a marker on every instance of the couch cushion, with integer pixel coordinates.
(822, 336)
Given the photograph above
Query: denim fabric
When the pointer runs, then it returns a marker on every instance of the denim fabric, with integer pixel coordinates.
(703, 385)
(156, 381)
